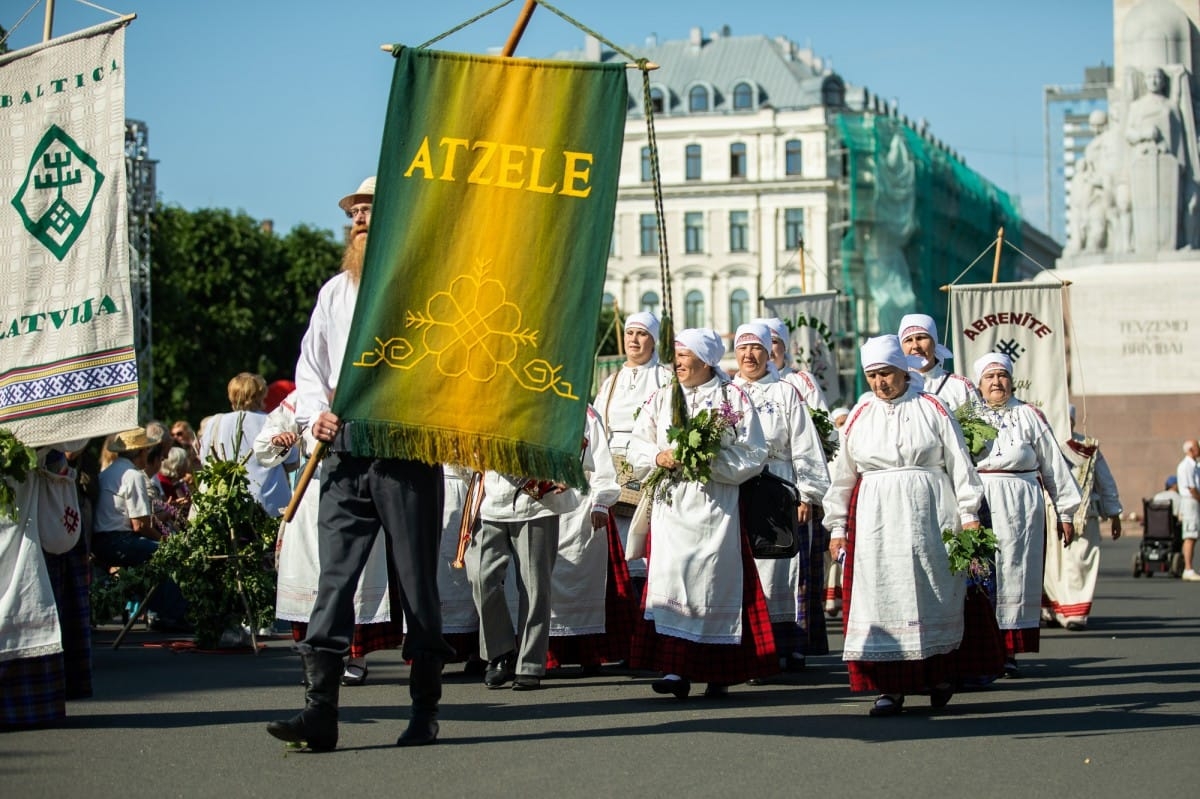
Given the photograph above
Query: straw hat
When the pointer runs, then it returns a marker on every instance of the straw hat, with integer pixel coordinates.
(132, 440)
(365, 194)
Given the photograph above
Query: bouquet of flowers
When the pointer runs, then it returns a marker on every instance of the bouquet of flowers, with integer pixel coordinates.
(16, 461)
(696, 441)
(976, 432)
(971, 552)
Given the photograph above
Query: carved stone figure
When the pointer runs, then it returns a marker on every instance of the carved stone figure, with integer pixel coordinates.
(1158, 167)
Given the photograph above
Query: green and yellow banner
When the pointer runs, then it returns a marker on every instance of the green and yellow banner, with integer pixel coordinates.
(473, 335)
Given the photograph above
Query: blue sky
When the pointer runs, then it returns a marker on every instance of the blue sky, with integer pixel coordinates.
(276, 107)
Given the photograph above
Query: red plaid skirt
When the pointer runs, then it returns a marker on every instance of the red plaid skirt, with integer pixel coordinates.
(32, 691)
(620, 614)
(981, 653)
(889, 676)
(70, 575)
(1018, 641)
(367, 637)
(722, 664)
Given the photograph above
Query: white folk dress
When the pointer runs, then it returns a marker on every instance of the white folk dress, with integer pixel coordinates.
(694, 583)
(793, 453)
(299, 565)
(1071, 572)
(580, 577)
(621, 396)
(806, 383)
(459, 615)
(1023, 451)
(917, 480)
(953, 390)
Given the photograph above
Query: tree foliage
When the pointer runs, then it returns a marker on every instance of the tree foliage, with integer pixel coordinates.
(228, 296)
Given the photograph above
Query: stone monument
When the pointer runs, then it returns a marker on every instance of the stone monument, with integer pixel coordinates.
(1133, 250)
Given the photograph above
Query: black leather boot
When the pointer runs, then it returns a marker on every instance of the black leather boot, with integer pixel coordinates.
(316, 725)
(425, 688)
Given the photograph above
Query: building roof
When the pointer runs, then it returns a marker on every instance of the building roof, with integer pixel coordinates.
(786, 76)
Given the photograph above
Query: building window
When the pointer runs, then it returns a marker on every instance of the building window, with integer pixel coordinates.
(693, 232)
(658, 100)
(792, 160)
(691, 162)
(739, 308)
(737, 160)
(739, 231)
(650, 302)
(698, 99)
(607, 301)
(649, 233)
(647, 165)
(743, 97)
(793, 227)
(693, 309)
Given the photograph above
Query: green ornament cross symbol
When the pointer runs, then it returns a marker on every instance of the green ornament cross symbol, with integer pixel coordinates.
(61, 184)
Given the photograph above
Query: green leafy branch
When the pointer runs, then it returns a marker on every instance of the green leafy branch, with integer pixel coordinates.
(16, 462)
(976, 432)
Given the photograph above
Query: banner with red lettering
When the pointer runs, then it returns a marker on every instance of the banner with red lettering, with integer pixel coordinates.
(1025, 321)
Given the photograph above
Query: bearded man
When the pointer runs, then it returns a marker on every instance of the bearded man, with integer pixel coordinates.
(360, 498)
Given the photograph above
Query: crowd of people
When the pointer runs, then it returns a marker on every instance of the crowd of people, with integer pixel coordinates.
(651, 566)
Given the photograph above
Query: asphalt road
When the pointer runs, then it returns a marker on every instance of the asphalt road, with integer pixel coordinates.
(1107, 712)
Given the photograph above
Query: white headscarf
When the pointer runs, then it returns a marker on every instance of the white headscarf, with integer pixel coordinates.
(643, 320)
(990, 361)
(753, 333)
(704, 343)
(778, 328)
(923, 323)
(883, 351)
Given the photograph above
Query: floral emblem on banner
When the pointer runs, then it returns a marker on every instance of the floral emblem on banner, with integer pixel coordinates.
(472, 331)
(55, 200)
(814, 358)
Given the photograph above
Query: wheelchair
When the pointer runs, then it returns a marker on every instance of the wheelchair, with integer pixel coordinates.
(1161, 549)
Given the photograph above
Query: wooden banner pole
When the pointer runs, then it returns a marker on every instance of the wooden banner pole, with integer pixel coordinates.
(514, 38)
(996, 262)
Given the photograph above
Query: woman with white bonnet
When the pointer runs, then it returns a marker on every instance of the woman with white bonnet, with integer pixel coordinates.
(919, 338)
(706, 617)
(618, 400)
(781, 347)
(1023, 458)
(794, 453)
(903, 476)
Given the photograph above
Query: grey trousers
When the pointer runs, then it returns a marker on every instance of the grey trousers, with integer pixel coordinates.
(531, 546)
(362, 498)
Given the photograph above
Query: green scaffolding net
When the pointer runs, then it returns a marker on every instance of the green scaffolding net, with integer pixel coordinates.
(916, 216)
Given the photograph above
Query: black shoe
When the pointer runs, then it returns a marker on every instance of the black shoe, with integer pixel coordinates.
(526, 682)
(939, 695)
(751, 681)
(475, 667)
(355, 675)
(1076, 626)
(716, 690)
(1010, 669)
(422, 730)
(680, 688)
(795, 663)
(499, 670)
(887, 705)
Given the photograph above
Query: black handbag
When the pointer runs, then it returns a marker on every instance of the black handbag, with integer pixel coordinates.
(768, 507)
